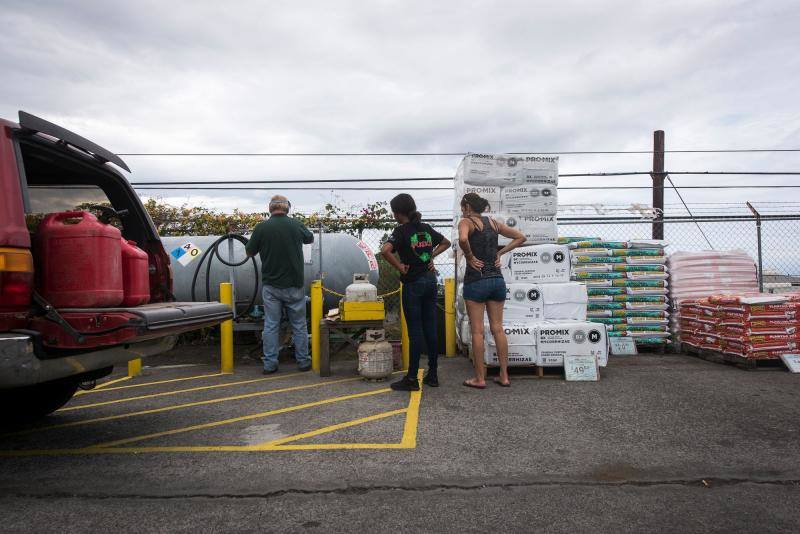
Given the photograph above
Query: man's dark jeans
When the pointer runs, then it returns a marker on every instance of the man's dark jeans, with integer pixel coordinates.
(419, 307)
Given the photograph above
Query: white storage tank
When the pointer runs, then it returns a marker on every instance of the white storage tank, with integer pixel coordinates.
(336, 255)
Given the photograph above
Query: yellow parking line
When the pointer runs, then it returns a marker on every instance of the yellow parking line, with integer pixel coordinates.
(178, 407)
(239, 419)
(412, 417)
(331, 428)
(167, 393)
(95, 390)
(201, 448)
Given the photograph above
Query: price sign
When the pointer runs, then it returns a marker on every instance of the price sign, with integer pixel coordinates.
(622, 346)
(792, 361)
(581, 368)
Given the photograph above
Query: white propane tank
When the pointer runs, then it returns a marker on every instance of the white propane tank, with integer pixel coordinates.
(375, 356)
(361, 290)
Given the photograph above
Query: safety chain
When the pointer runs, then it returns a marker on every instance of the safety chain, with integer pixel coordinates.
(389, 294)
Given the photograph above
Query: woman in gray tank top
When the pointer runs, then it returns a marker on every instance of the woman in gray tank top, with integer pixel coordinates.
(484, 289)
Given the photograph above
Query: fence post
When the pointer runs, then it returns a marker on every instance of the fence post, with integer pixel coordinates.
(316, 319)
(758, 239)
(658, 184)
(226, 330)
(404, 341)
(450, 316)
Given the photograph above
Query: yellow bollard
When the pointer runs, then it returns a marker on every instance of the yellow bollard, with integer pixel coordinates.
(404, 342)
(226, 330)
(135, 367)
(450, 317)
(316, 319)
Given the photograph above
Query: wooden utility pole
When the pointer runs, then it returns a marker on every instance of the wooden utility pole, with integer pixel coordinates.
(658, 184)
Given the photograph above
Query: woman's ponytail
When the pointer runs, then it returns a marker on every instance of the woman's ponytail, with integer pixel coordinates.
(404, 205)
(476, 202)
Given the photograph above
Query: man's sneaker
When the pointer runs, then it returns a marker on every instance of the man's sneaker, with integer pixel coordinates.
(431, 380)
(304, 368)
(405, 384)
(270, 371)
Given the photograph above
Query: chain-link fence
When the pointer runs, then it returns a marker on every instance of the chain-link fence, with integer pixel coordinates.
(779, 249)
(780, 245)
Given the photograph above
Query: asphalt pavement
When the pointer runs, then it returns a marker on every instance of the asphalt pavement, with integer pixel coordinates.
(660, 443)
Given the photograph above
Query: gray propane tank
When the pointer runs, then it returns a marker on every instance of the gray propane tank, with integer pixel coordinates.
(339, 256)
(375, 356)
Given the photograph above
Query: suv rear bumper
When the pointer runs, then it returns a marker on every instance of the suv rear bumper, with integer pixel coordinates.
(19, 365)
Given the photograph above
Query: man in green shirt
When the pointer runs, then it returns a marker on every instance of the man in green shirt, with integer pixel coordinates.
(279, 243)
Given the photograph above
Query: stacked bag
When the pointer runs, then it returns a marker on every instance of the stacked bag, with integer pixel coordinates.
(694, 275)
(749, 325)
(522, 192)
(627, 284)
(545, 312)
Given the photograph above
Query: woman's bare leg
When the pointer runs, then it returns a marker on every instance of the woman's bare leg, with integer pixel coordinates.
(475, 311)
(495, 311)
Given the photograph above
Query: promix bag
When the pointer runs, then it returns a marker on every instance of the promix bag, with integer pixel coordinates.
(556, 339)
(521, 344)
(539, 264)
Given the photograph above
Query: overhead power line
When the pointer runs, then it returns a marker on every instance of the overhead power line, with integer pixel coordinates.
(223, 187)
(223, 181)
(289, 188)
(393, 154)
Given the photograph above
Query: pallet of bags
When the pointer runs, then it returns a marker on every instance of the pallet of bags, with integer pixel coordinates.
(522, 191)
(627, 284)
(695, 275)
(749, 325)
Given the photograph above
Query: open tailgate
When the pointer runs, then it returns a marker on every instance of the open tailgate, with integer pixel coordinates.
(112, 326)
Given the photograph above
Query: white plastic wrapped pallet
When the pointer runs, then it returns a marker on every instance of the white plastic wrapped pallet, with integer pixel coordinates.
(521, 190)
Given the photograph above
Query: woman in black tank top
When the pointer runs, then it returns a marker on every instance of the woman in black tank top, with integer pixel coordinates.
(484, 289)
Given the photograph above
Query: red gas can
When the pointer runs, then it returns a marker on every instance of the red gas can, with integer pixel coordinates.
(135, 274)
(78, 261)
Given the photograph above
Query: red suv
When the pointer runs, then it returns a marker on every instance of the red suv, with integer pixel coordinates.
(46, 353)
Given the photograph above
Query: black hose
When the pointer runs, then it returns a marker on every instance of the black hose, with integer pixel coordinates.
(212, 251)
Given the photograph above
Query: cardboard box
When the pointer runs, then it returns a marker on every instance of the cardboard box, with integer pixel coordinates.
(555, 339)
(540, 263)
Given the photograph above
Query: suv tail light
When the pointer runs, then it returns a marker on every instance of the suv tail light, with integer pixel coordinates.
(16, 278)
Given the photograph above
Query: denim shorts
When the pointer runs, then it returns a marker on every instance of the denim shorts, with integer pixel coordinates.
(486, 289)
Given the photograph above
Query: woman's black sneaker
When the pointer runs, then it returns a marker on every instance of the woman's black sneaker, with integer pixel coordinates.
(431, 380)
(405, 384)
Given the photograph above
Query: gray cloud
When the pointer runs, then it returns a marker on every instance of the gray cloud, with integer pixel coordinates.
(400, 76)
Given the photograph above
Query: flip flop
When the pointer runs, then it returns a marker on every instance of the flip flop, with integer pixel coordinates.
(471, 385)
(497, 381)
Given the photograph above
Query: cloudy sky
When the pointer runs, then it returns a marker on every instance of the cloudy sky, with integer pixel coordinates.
(383, 76)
